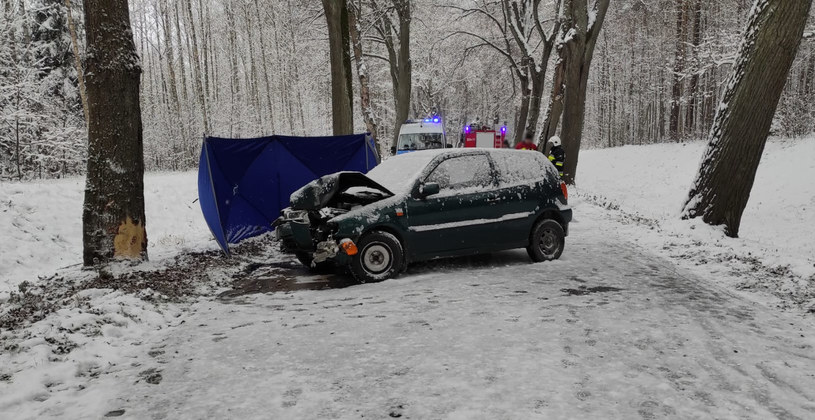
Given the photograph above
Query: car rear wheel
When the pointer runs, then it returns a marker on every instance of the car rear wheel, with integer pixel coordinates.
(380, 257)
(546, 241)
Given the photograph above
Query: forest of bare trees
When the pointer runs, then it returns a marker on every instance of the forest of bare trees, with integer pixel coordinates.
(257, 67)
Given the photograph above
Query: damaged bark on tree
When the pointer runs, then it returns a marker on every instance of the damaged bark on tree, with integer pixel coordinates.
(113, 220)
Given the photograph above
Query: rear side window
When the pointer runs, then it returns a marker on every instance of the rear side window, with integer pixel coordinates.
(460, 173)
(519, 168)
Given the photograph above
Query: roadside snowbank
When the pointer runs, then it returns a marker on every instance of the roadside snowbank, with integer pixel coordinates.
(42, 224)
(647, 186)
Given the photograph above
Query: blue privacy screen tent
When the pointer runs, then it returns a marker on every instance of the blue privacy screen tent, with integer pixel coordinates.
(244, 183)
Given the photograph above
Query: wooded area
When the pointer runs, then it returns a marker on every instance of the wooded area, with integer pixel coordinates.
(259, 67)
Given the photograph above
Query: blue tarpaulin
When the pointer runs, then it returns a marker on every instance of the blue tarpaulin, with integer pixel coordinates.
(244, 183)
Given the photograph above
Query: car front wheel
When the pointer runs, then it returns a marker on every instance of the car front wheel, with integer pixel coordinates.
(546, 241)
(380, 257)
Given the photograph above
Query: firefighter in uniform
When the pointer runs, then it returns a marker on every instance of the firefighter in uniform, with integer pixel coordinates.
(556, 154)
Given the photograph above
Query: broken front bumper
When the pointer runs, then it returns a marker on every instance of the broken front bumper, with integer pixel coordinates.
(295, 236)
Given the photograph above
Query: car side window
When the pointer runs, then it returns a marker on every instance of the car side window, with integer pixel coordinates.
(518, 168)
(460, 173)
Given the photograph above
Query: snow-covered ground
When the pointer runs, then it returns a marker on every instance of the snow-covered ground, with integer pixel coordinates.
(643, 317)
(645, 187)
(609, 331)
(42, 224)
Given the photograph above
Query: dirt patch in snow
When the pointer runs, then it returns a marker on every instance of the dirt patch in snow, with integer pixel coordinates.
(184, 277)
(284, 276)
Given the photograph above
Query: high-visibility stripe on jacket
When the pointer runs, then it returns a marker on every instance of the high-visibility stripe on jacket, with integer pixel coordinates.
(557, 156)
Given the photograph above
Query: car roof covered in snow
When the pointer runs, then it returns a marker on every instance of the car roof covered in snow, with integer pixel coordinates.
(399, 173)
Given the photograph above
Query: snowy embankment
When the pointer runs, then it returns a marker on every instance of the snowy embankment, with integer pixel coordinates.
(42, 224)
(646, 185)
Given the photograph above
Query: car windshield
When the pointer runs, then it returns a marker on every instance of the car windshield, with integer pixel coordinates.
(399, 173)
(420, 141)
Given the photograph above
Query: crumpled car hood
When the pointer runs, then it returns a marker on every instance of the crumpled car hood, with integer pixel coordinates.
(318, 194)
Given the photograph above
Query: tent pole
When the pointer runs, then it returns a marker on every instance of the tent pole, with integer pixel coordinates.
(215, 198)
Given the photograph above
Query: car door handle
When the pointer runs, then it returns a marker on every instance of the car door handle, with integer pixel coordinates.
(493, 200)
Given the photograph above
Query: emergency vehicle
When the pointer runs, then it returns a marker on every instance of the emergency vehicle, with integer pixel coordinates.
(484, 136)
(423, 134)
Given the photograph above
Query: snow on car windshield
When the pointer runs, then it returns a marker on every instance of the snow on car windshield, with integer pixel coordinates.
(399, 173)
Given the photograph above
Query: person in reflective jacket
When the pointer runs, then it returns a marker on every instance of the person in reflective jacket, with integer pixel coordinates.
(556, 154)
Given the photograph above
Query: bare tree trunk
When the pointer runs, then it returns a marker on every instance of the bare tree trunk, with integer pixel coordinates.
(266, 79)
(679, 69)
(535, 98)
(523, 110)
(168, 47)
(742, 124)
(342, 103)
(113, 221)
(203, 20)
(696, 39)
(253, 74)
(555, 108)
(234, 85)
(199, 89)
(404, 68)
(580, 50)
(362, 73)
(296, 75)
(182, 68)
(80, 76)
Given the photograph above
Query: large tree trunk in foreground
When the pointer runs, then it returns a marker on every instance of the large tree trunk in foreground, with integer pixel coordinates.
(579, 53)
(113, 222)
(743, 121)
(342, 103)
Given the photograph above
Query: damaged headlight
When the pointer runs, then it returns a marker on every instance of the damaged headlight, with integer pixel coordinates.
(298, 216)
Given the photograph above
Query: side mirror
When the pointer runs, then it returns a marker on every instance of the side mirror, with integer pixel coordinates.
(393, 150)
(426, 190)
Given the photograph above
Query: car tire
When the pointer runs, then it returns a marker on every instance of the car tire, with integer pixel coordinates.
(380, 258)
(546, 241)
(306, 260)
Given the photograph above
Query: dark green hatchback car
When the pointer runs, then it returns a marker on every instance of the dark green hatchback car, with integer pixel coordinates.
(425, 205)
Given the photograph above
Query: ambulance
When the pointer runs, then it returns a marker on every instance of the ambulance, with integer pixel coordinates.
(421, 134)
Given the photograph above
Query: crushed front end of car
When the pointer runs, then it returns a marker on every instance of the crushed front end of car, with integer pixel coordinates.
(307, 229)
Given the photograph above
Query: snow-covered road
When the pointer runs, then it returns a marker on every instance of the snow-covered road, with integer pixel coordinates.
(609, 331)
